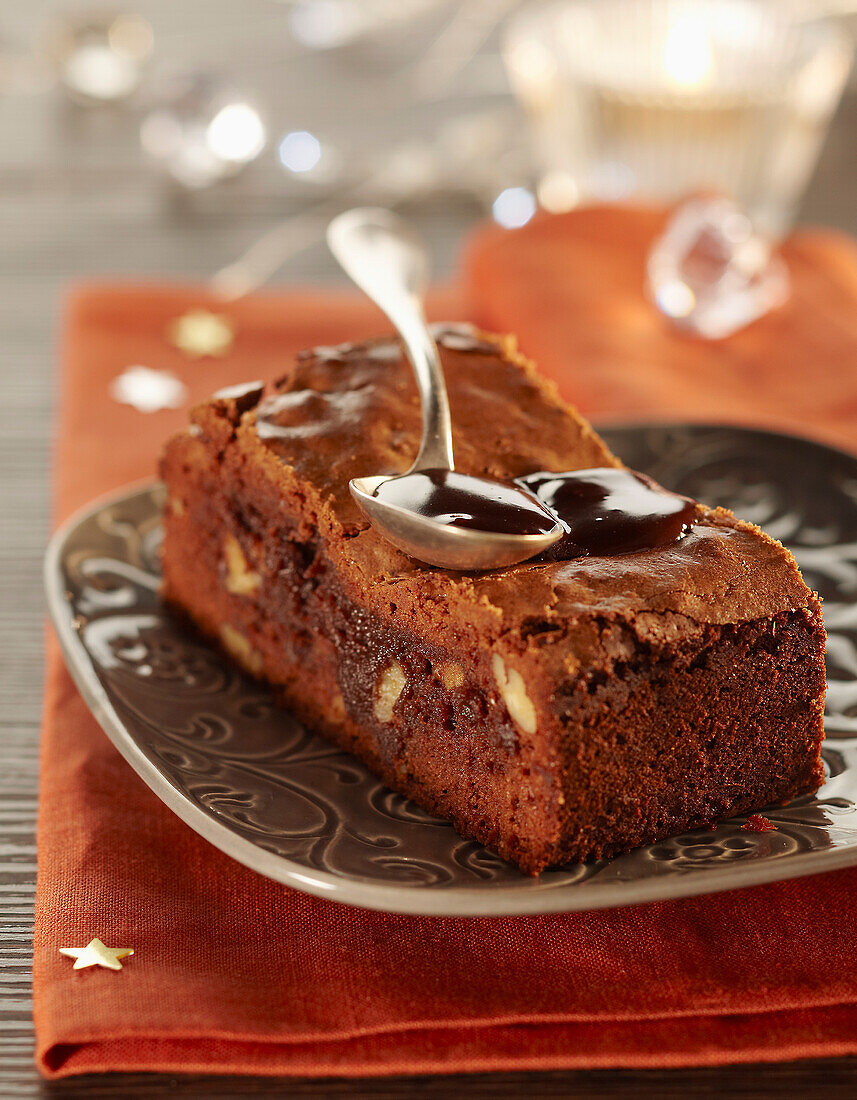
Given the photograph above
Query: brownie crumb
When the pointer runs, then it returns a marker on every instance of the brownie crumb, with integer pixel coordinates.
(756, 823)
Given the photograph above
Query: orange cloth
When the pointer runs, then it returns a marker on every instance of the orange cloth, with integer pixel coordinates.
(236, 974)
(572, 288)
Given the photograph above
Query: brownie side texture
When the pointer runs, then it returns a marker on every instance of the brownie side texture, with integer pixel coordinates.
(555, 711)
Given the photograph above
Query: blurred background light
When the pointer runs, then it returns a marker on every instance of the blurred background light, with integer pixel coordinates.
(98, 56)
(332, 24)
(324, 24)
(558, 191)
(514, 207)
(202, 131)
(300, 151)
(236, 133)
(687, 57)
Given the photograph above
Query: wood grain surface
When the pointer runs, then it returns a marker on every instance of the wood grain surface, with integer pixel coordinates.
(77, 200)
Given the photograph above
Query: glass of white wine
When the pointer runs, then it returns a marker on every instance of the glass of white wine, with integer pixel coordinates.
(658, 99)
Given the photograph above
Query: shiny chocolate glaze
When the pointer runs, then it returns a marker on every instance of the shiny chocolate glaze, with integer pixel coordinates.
(610, 510)
(462, 501)
(604, 511)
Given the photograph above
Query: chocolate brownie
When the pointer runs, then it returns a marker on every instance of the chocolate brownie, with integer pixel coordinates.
(558, 710)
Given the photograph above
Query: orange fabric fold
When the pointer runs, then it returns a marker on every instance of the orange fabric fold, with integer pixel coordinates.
(236, 974)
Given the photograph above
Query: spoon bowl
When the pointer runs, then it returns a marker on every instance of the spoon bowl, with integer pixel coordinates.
(452, 545)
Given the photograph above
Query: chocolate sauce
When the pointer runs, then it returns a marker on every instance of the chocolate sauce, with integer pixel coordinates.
(608, 511)
(462, 501)
(604, 511)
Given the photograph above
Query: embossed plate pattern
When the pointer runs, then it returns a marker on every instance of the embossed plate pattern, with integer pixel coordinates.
(278, 798)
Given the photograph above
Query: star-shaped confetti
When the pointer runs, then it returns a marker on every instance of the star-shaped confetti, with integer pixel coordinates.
(96, 954)
(148, 390)
(200, 332)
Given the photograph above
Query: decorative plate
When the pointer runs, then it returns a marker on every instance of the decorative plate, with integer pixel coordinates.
(276, 797)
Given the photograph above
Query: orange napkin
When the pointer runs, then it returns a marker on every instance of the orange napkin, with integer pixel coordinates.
(572, 288)
(236, 974)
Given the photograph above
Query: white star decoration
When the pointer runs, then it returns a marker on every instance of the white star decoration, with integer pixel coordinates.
(96, 954)
(148, 390)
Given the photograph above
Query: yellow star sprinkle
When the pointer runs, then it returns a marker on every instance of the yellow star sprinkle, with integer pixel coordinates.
(200, 332)
(96, 954)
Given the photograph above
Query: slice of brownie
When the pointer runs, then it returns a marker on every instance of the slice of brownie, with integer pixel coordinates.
(556, 710)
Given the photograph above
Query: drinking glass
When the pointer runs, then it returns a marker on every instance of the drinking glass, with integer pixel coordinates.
(658, 99)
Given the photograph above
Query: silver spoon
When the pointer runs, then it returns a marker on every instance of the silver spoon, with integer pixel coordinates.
(432, 513)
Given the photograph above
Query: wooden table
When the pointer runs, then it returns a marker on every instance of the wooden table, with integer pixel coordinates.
(77, 200)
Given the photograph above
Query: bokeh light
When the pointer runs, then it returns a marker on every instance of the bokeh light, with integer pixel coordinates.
(514, 207)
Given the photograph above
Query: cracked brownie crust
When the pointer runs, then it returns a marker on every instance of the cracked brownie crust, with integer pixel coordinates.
(556, 710)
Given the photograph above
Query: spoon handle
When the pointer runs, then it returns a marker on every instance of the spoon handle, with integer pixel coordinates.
(382, 255)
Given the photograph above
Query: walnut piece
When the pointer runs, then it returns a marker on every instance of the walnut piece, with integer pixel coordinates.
(514, 695)
(391, 684)
(241, 580)
(334, 711)
(237, 645)
(451, 675)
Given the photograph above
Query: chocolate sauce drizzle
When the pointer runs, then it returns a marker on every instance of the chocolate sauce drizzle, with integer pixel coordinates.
(604, 511)
(608, 511)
